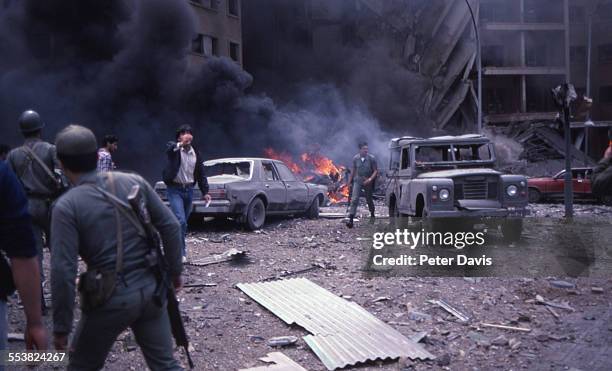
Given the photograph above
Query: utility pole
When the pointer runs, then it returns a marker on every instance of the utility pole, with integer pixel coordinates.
(479, 66)
(588, 121)
(563, 96)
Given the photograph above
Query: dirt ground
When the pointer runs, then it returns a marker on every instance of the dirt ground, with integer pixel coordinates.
(229, 331)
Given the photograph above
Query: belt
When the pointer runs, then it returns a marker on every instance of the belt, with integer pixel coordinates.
(181, 185)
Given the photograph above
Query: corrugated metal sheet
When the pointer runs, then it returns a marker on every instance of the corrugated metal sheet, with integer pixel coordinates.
(280, 362)
(343, 333)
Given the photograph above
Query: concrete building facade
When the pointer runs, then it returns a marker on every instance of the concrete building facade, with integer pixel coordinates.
(219, 30)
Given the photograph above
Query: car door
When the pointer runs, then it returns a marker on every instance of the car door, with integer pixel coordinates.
(297, 192)
(578, 183)
(273, 187)
(556, 185)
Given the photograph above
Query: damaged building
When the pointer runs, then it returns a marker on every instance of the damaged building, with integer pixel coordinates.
(527, 48)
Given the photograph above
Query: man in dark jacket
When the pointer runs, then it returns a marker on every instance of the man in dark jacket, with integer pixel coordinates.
(184, 168)
(17, 242)
(602, 174)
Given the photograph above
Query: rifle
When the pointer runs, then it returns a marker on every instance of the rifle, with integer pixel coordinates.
(139, 205)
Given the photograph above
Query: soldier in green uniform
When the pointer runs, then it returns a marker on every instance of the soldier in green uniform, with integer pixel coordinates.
(34, 164)
(91, 221)
(363, 176)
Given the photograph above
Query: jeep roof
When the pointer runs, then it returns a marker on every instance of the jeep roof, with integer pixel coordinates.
(447, 139)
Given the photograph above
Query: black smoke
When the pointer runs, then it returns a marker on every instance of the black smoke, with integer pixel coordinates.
(122, 67)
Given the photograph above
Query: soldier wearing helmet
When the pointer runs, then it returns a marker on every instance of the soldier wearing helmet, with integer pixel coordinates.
(35, 163)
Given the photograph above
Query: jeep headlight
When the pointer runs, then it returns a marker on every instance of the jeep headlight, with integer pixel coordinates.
(512, 190)
(444, 194)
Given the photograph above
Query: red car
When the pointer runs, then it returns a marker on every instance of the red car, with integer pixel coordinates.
(552, 188)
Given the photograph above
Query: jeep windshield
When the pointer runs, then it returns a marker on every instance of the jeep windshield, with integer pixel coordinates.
(241, 169)
(453, 155)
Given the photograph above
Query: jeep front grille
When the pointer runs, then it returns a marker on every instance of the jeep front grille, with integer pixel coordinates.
(476, 188)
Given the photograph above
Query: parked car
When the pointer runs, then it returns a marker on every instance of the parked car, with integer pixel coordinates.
(249, 189)
(552, 188)
(451, 179)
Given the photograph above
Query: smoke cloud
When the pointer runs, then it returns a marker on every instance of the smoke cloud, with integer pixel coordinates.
(121, 67)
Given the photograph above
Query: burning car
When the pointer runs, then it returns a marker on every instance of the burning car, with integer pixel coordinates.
(249, 189)
(443, 179)
(552, 188)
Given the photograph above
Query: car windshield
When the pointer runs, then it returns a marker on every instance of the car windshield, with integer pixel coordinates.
(425, 154)
(238, 169)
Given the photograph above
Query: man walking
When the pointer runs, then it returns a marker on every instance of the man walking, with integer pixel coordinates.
(363, 176)
(17, 242)
(105, 158)
(35, 163)
(93, 221)
(184, 168)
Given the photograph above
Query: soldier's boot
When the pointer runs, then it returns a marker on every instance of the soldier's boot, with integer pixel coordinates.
(349, 224)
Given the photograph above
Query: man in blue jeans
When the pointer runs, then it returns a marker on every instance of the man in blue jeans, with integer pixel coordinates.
(184, 168)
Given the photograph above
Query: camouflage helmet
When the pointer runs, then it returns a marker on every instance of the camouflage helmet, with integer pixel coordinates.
(30, 121)
(75, 140)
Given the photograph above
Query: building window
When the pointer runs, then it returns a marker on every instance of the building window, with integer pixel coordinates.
(576, 14)
(234, 51)
(604, 11)
(493, 55)
(197, 45)
(536, 56)
(205, 45)
(577, 54)
(605, 94)
(605, 53)
(209, 4)
(496, 11)
(233, 7)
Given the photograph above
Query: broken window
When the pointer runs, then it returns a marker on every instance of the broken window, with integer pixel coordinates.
(577, 54)
(197, 45)
(433, 153)
(474, 152)
(240, 169)
(234, 50)
(210, 46)
(576, 14)
(233, 8)
(605, 53)
(493, 55)
(405, 158)
(605, 94)
(210, 4)
(268, 172)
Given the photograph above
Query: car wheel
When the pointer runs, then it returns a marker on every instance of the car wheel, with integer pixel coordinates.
(534, 195)
(512, 229)
(256, 214)
(313, 210)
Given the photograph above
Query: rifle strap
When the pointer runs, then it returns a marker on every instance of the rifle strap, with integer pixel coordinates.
(119, 262)
(125, 209)
(40, 162)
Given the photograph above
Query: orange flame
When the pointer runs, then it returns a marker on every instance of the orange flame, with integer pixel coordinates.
(311, 165)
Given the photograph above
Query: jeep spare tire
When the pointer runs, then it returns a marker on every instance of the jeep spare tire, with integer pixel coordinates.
(256, 214)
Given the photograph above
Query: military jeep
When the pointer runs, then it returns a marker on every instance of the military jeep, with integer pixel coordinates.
(450, 180)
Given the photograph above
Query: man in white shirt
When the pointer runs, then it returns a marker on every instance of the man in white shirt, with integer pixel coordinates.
(184, 168)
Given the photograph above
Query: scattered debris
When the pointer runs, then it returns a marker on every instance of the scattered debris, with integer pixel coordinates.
(552, 311)
(280, 363)
(562, 284)
(231, 254)
(281, 341)
(419, 336)
(13, 336)
(443, 360)
(500, 341)
(479, 339)
(597, 290)
(332, 215)
(418, 316)
(381, 298)
(514, 343)
(209, 284)
(224, 238)
(503, 327)
(334, 323)
(450, 309)
(541, 300)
